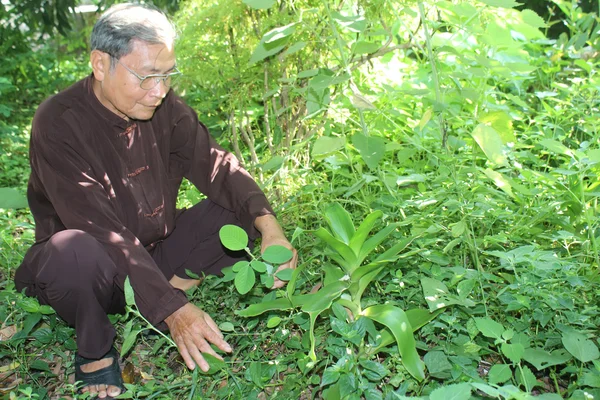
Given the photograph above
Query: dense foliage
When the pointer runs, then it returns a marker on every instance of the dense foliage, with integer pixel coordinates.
(436, 165)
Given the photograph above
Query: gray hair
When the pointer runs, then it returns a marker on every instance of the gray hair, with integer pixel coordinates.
(121, 24)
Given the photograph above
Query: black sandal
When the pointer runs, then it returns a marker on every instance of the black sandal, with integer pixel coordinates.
(109, 376)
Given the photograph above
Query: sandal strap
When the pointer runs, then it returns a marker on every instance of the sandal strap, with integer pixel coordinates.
(110, 375)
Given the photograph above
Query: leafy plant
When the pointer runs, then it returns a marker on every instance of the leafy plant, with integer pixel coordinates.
(345, 284)
(235, 239)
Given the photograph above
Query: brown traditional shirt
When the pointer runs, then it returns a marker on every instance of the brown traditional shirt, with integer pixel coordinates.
(118, 181)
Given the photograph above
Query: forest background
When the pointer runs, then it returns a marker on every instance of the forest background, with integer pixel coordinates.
(434, 162)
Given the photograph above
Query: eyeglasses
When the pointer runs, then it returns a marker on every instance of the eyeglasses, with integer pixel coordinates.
(150, 81)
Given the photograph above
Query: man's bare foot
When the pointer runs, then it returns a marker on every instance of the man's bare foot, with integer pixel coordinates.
(100, 391)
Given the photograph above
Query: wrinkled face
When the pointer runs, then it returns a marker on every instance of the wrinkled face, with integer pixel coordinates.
(119, 90)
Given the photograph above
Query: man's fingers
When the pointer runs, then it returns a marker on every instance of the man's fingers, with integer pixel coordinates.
(212, 325)
(183, 351)
(194, 350)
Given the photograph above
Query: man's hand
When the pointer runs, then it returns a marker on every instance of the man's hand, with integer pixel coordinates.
(272, 234)
(192, 329)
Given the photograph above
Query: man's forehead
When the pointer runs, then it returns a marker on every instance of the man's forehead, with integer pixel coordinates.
(152, 58)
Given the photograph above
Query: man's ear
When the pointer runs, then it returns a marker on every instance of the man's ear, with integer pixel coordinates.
(100, 64)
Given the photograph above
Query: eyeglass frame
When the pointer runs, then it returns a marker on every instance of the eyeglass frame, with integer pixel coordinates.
(161, 77)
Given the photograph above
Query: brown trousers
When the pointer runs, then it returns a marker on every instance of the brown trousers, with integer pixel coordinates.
(75, 275)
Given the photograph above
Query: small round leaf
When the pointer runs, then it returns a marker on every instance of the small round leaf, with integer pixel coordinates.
(273, 322)
(233, 237)
(259, 266)
(285, 274)
(277, 254)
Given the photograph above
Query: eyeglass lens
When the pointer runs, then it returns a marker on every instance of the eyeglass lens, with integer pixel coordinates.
(152, 81)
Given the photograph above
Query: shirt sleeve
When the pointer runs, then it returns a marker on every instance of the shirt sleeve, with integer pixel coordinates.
(82, 201)
(216, 172)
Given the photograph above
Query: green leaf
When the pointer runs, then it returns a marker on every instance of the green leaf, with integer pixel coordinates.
(371, 244)
(376, 371)
(527, 378)
(324, 297)
(499, 373)
(11, 198)
(489, 328)
(580, 347)
(40, 365)
(340, 222)
(530, 17)
(501, 3)
(258, 266)
(363, 47)
(459, 391)
(371, 149)
(227, 327)
(274, 305)
(237, 267)
(130, 336)
(541, 359)
(343, 249)
(327, 144)
(557, 147)
(490, 142)
(330, 376)
(129, 294)
(259, 4)
(272, 42)
(285, 274)
(500, 181)
(353, 23)
(277, 254)
(233, 237)
(397, 322)
(273, 322)
(437, 295)
(273, 164)
(362, 232)
(245, 279)
(438, 365)
(513, 351)
(215, 365)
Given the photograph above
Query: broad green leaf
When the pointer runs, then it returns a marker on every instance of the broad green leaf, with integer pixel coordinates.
(437, 295)
(237, 267)
(489, 328)
(499, 373)
(330, 376)
(458, 391)
(226, 327)
(500, 181)
(296, 47)
(273, 164)
(580, 347)
(215, 365)
(274, 305)
(233, 237)
(361, 234)
(557, 147)
(513, 351)
(324, 297)
(354, 23)
(371, 149)
(377, 371)
(285, 274)
(397, 322)
(129, 294)
(527, 378)
(258, 266)
(541, 359)
(437, 364)
(490, 142)
(349, 258)
(530, 17)
(501, 3)
(273, 322)
(245, 279)
(371, 243)
(340, 222)
(272, 42)
(391, 254)
(129, 340)
(11, 198)
(327, 145)
(364, 282)
(487, 389)
(259, 4)
(363, 47)
(502, 123)
(277, 254)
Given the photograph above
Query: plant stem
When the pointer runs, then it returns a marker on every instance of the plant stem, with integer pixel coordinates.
(137, 313)
(434, 73)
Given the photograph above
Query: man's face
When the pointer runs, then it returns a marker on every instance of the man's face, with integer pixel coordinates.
(120, 90)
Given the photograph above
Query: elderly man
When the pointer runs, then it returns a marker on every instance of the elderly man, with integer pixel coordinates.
(107, 157)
